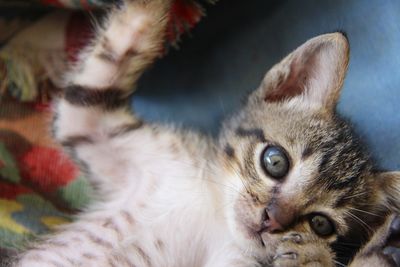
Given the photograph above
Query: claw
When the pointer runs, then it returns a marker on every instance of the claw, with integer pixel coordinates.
(293, 237)
(288, 255)
(389, 250)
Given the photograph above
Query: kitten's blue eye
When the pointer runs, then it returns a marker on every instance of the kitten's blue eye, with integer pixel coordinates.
(321, 225)
(275, 162)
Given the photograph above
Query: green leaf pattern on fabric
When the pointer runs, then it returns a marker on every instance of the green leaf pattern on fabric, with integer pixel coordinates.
(8, 168)
(76, 193)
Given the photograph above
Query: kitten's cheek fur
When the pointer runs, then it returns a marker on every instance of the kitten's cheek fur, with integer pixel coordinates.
(244, 219)
(248, 217)
(245, 216)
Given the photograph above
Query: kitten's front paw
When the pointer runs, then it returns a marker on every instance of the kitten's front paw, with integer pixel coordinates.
(384, 247)
(298, 250)
(392, 248)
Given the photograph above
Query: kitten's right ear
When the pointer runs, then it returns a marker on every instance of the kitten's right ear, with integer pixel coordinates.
(312, 75)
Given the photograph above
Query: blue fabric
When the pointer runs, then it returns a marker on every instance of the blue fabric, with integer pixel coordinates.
(231, 50)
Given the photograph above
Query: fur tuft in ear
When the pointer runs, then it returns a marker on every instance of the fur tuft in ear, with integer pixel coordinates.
(315, 72)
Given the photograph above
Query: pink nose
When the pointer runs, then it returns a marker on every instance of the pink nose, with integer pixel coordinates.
(276, 219)
(271, 225)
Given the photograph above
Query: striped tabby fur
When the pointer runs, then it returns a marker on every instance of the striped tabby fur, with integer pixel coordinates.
(173, 198)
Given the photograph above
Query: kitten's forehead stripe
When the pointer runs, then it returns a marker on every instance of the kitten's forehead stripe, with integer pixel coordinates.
(341, 201)
(253, 133)
(249, 168)
(342, 167)
(340, 185)
(342, 158)
(311, 201)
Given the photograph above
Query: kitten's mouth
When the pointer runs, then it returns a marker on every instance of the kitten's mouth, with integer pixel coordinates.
(264, 225)
(268, 225)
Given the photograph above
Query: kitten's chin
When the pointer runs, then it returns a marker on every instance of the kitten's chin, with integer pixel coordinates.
(259, 246)
(254, 243)
(269, 241)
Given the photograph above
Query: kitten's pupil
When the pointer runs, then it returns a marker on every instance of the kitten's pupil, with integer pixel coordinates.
(321, 225)
(275, 162)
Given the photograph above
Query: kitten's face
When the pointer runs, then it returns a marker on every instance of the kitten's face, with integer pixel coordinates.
(293, 164)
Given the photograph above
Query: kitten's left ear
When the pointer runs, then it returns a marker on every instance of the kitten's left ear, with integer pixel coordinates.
(312, 75)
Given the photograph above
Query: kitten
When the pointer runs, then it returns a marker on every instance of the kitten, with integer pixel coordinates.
(284, 180)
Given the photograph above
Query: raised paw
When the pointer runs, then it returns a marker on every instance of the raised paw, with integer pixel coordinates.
(384, 247)
(298, 250)
(393, 253)
(128, 41)
(392, 248)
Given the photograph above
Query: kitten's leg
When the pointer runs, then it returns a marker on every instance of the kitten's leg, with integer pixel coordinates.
(131, 38)
(94, 122)
(93, 115)
(384, 247)
(303, 250)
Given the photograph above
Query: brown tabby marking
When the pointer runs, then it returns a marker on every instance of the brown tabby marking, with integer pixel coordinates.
(124, 129)
(109, 99)
(249, 170)
(73, 141)
(89, 256)
(119, 260)
(253, 133)
(128, 217)
(229, 151)
(97, 240)
(143, 255)
(110, 224)
(159, 244)
(57, 243)
(56, 263)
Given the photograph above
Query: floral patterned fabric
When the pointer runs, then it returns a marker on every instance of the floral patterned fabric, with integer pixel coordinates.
(40, 187)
